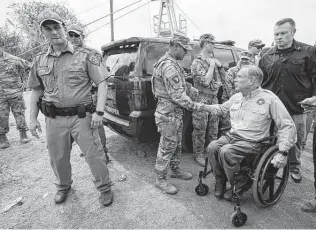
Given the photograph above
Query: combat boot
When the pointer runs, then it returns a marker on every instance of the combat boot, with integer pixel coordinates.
(178, 173)
(165, 186)
(23, 137)
(4, 142)
(200, 160)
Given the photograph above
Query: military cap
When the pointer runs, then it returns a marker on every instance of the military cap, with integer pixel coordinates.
(256, 43)
(75, 28)
(182, 41)
(207, 38)
(245, 55)
(49, 15)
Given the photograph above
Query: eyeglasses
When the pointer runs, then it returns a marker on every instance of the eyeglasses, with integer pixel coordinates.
(73, 35)
(259, 48)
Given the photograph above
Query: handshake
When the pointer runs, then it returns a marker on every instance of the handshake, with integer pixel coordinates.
(208, 108)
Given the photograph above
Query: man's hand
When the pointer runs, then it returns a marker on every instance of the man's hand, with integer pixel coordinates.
(217, 63)
(279, 160)
(209, 109)
(34, 124)
(96, 120)
(309, 105)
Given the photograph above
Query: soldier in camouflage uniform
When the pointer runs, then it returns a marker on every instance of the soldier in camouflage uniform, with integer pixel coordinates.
(255, 46)
(207, 75)
(13, 75)
(76, 37)
(245, 59)
(173, 94)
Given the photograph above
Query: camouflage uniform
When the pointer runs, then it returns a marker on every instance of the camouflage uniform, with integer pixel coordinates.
(171, 90)
(205, 125)
(255, 43)
(232, 73)
(12, 79)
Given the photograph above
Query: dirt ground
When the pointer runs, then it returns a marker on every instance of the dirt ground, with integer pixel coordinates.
(25, 172)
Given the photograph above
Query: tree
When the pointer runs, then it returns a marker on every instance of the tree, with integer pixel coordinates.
(23, 19)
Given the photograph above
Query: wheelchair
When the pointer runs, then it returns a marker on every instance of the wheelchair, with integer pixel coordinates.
(268, 183)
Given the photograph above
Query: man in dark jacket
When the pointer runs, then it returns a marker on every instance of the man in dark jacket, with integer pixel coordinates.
(289, 70)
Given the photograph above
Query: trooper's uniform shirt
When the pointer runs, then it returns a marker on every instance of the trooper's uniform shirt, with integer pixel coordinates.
(251, 117)
(66, 79)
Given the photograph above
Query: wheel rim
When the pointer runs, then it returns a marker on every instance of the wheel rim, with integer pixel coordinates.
(271, 181)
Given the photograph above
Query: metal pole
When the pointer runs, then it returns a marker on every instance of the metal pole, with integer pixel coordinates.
(111, 17)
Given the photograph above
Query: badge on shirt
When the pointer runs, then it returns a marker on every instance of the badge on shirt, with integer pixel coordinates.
(95, 58)
(260, 101)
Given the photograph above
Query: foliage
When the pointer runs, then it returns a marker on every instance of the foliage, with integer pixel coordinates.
(26, 33)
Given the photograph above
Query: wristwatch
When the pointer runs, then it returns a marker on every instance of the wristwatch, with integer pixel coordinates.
(100, 113)
(284, 153)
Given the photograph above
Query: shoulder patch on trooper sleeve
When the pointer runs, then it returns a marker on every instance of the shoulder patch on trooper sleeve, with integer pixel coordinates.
(95, 58)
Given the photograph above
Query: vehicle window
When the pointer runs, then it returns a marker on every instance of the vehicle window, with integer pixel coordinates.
(120, 61)
(225, 56)
(156, 50)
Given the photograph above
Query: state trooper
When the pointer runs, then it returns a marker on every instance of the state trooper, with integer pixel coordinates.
(251, 112)
(255, 46)
(207, 73)
(13, 76)
(173, 95)
(76, 36)
(61, 81)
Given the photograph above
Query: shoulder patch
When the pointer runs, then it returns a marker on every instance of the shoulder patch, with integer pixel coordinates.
(95, 58)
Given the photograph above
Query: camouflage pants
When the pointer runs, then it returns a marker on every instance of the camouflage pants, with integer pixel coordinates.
(205, 126)
(17, 106)
(170, 147)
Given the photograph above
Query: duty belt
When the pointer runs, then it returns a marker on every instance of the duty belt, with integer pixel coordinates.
(50, 110)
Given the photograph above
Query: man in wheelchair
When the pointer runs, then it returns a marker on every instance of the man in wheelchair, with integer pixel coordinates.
(251, 112)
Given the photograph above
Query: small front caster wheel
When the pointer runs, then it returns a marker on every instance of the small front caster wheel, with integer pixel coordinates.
(201, 189)
(239, 218)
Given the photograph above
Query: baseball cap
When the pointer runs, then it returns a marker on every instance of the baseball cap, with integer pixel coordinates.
(75, 28)
(207, 38)
(256, 43)
(182, 41)
(49, 15)
(245, 55)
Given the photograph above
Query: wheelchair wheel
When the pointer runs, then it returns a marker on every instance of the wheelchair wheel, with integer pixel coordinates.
(239, 218)
(201, 189)
(269, 182)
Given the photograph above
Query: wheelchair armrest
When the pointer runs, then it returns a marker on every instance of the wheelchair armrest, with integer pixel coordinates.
(266, 139)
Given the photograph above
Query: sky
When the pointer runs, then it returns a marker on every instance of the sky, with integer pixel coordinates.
(240, 21)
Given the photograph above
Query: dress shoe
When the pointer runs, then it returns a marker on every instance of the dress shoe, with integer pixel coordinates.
(228, 195)
(178, 173)
(61, 196)
(165, 186)
(296, 176)
(309, 206)
(220, 187)
(106, 198)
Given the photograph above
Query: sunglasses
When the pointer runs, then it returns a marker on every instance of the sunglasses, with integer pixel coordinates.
(73, 35)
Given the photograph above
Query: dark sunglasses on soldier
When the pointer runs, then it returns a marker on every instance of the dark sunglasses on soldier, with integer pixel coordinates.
(73, 35)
